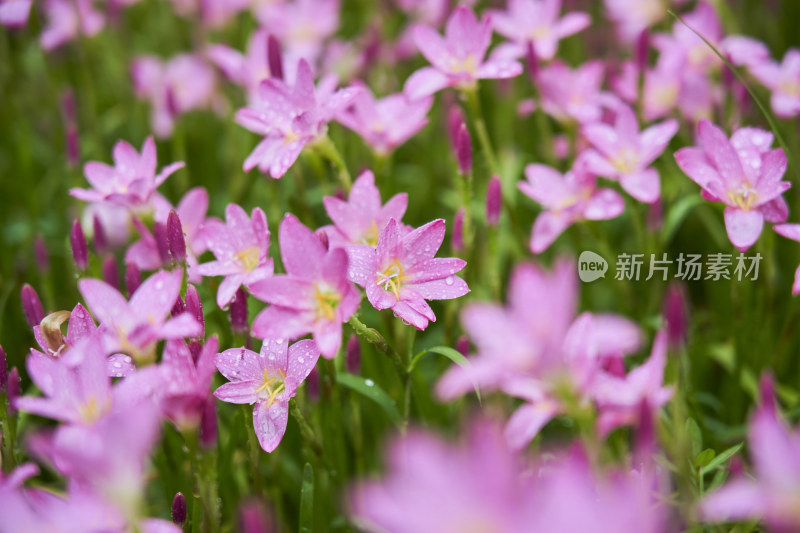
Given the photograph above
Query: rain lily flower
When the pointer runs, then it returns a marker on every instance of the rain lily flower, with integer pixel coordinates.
(241, 246)
(268, 379)
(567, 198)
(700, 58)
(386, 123)
(301, 26)
(14, 13)
(67, 19)
(573, 95)
(458, 58)
(246, 70)
(743, 173)
(289, 117)
(183, 83)
(791, 231)
(131, 182)
(361, 218)
(482, 479)
(537, 22)
(314, 296)
(401, 273)
(133, 327)
(784, 81)
(634, 16)
(623, 153)
(772, 495)
(53, 343)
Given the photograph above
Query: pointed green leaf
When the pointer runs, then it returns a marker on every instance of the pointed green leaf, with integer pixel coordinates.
(370, 389)
(307, 500)
(721, 458)
(452, 354)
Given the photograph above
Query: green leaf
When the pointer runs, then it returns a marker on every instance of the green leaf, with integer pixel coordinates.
(452, 354)
(695, 437)
(705, 457)
(724, 354)
(370, 389)
(307, 500)
(677, 214)
(721, 458)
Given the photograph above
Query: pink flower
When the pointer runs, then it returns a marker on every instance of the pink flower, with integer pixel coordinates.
(700, 58)
(289, 117)
(771, 495)
(131, 182)
(269, 380)
(134, 326)
(634, 16)
(173, 87)
(791, 231)
(361, 218)
(784, 82)
(743, 173)
(241, 247)
(301, 26)
(14, 13)
(314, 296)
(573, 95)
(67, 19)
(401, 273)
(623, 153)
(246, 70)
(386, 123)
(567, 198)
(537, 22)
(458, 58)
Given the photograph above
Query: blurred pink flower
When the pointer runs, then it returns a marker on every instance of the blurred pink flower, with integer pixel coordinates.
(567, 198)
(133, 327)
(743, 173)
(361, 218)
(784, 81)
(14, 13)
(574, 94)
(131, 182)
(314, 296)
(625, 154)
(247, 70)
(301, 26)
(771, 495)
(183, 83)
(634, 16)
(289, 117)
(385, 123)
(401, 272)
(241, 248)
(67, 19)
(537, 22)
(458, 58)
(791, 231)
(268, 379)
(700, 58)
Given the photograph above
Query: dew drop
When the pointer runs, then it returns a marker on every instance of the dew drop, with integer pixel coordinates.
(449, 280)
(369, 383)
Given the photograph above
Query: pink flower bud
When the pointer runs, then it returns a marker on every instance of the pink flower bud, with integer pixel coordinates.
(457, 240)
(133, 278)
(766, 390)
(455, 119)
(254, 518)
(462, 345)
(195, 348)
(80, 250)
(494, 201)
(208, 424)
(160, 235)
(195, 306)
(31, 305)
(73, 147)
(353, 360)
(312, 384)
(464, 150)
(14, 387)
(3, 371)
(111, 271)
(323, 237)
(642, 49)
(178, 308)
(179, 509)
(100, 241)
(238, 311)
(175, 237)
(274, 61)
(676, 311)
(42, 255)
(532, 61)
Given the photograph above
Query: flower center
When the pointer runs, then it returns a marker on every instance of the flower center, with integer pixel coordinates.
(91, 411)
(790, 88)
(539, 32)
(272, 387)
(467, 65)
(744, 197)
(392, 278)
(625, 161)
(370, 238)
(327, 302)
(248, 257)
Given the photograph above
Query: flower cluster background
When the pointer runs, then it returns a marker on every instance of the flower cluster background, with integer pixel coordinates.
(315, 266)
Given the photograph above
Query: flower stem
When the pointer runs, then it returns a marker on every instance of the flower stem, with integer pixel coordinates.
(373, 337)
(7, 424)
(255, 452)
(328, 150)
(305, 428)
(475, 114)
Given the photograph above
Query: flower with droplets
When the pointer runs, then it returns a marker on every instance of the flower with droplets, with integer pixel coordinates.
(314, 296)
(573, 95)
(241, 247)
(133, 327)
(401, 272)
(742, 172)
(268, 379)
(625, 154)
(387, 122)
(361, 218)
(458, 58)
(290, 117)
(784, 81)
(247, 70)
(131, 182)
(301, 26)
(537, 22)
(567, 199)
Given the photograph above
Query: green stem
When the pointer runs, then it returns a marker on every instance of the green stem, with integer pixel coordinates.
(373, 337)
(204, 470)
(8, 425)
(255, 452)
(306, 429)
(328, 150)
(475, 114)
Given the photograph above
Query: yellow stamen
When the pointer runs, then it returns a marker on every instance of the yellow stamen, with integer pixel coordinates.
(327, 302)
(468, 65)
(392, 278)
(91, 411)
(625, 161)
(272, 386)
(248, 257)
(371, 237)
(744, 197)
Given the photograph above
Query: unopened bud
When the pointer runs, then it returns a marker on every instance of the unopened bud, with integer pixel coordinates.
(73, 146)
(353, 360)
(133, 278)
(455, 119)
(208, 423)
(766, 391)
(111, 271)
(14, 387)
(3, 371)
(642, 50)
(31, 305)
(195, 306)
(80, 251)
(457, 240)
(162, 243)
(312, 384)
(494, 201)
(464, 150)
(42, 255)
(195, 348)
(175, 238)
(254, 518)
(462, 346)
(178, 308)
(238, 311)
(100, 241)
(676, 311)
(532, 61)
(179, 509)
(274, 59)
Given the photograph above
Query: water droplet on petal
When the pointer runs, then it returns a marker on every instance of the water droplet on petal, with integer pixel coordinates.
(449, 280)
